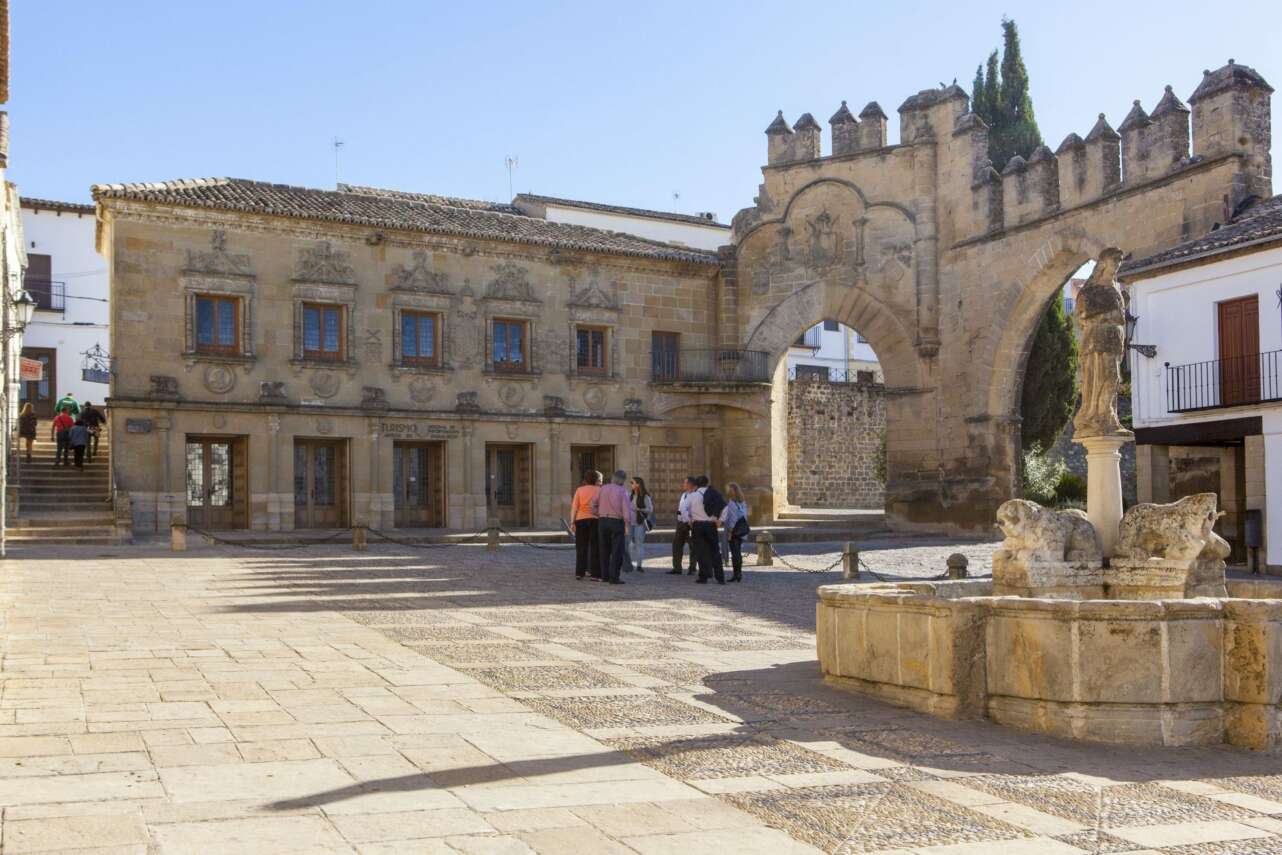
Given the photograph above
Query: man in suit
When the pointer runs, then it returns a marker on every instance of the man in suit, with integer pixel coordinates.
(682, 535)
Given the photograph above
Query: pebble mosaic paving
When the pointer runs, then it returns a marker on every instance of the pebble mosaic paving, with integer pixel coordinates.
(455, 700)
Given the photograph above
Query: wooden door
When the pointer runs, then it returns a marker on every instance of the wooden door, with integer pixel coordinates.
(585, 457)
(508, 475)
(669, 466)
(216, 472)
(418, 476)
(1240, 351)
(41, 393)
(320, 483)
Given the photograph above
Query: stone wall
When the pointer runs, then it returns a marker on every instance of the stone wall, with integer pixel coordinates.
(835, 433)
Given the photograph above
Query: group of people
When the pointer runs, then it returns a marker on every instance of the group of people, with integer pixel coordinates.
(609, 523)
(75, 430)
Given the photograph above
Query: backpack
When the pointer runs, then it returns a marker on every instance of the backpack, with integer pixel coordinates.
(740, 528)
(713, 503)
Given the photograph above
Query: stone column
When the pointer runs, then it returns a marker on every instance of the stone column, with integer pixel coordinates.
(926, 242)
(1153, 473)
(274, 509)
(1104, 486)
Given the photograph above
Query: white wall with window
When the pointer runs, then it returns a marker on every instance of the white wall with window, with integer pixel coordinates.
(68, 280)
(1217, 378)
(832, 350)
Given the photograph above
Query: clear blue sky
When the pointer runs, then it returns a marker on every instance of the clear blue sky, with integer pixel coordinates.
(608, 102)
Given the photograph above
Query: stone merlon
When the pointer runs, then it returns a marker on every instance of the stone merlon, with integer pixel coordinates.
(779, 125)
(1231, 76)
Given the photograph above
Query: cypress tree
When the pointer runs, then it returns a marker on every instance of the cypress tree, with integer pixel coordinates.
(1002, 100)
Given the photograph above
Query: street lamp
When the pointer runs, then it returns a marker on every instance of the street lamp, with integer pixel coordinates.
(23, 308)
(1147, 350)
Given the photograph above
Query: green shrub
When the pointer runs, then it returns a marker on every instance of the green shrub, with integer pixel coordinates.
(1071, 489)
(1042, 476)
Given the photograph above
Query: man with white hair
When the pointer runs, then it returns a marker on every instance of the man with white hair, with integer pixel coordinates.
(614, 521)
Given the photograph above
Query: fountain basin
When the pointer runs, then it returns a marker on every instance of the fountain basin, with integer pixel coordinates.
(1194, 671)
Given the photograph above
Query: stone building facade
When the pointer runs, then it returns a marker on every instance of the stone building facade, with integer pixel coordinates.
(836, 436)
(289, 358)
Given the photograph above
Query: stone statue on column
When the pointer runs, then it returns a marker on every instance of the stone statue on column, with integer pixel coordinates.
(1101, 316)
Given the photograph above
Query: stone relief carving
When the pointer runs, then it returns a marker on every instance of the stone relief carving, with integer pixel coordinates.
(272, 392)
(467, 340)
(511, 394)
(593, 296)
(422, 391)
(325, 384)
(420, 276)
(324, 427)
(594, 398)
(632, 408)
(1101, 316)
(163, 387)
(1179, 531)
(510, 282)
(468, 403)
(217, 260)
(373, 397)
(511, 429)
(553, 406)
(372, 345)
(219, 379)
(1034, 533)
(595, 433)
(823, 248)
(553, 349)
(324, 263)
(219, 421)
(896, 260)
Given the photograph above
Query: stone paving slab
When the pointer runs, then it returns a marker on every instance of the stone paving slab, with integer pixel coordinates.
(456, 700)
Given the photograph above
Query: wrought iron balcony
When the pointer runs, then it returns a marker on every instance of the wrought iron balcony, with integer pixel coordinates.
(1219, 383)
(711, 365)
(50, 296)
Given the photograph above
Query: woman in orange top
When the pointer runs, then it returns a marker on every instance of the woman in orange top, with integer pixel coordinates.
(587, 552)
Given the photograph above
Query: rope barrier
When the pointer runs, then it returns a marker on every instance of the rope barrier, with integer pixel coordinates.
(315, 541)
(387, 537)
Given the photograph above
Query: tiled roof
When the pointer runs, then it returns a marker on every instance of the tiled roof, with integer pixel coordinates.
(694, 219)
(52, 205)
(1261, 222)
(392, 210)
(430, 198)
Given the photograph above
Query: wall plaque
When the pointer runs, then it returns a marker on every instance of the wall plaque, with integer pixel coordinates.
(137, 425)
(417, 430)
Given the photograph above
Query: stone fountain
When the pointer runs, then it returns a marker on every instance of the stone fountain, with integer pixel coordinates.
(1101, 625)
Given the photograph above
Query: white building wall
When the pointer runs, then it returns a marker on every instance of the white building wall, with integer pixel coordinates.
(686, 234)
(839, 350)
(1178, 313)
(68, 238)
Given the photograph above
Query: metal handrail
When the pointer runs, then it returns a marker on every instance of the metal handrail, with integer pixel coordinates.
(49, 294)
(1217, 383)
(711, 365)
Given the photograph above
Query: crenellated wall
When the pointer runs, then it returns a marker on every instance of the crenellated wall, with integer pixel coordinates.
(945, 265)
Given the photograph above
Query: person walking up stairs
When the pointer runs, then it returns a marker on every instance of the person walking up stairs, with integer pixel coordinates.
(63, 505)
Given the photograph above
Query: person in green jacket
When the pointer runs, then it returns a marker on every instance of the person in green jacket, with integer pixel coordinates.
(67, 400)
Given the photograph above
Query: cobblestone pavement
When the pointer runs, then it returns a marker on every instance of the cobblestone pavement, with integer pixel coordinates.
(454, 700)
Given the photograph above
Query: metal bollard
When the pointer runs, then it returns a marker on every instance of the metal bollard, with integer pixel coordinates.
(957, 564)
(178, 534)
(492, 535)
(765, 556)
(850, 561)
(358, 538)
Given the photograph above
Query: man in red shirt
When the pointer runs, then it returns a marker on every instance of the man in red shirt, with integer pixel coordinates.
(61, 430)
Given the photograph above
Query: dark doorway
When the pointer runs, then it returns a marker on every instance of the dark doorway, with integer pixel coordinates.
(508, 480)
(585, 457)
(320, 483)
(418, 473)
(41, 393)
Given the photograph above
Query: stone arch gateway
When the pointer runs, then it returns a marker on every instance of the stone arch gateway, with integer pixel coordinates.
(945, 265)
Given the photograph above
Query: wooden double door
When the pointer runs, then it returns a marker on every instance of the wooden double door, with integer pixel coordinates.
(586, 457)
(509, 484)
(320, 483)
(669, 466)
(217, 475)
(418, 477)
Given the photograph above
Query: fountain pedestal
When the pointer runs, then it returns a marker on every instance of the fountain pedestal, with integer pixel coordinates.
(1104, 485)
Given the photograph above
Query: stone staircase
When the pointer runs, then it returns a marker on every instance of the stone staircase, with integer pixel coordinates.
(63, 505)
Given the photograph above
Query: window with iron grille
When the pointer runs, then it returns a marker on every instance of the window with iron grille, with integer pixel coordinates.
(590, 350)
(323, 336)
(420, 338)
(217, 324)
(510, 346)
(665, 355)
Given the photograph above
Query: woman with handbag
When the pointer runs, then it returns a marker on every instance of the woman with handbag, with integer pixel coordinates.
(642, 521)
(734, 521)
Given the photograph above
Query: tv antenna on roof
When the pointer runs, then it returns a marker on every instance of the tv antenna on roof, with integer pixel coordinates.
(676, 196)
(511, 162)
(337, 144)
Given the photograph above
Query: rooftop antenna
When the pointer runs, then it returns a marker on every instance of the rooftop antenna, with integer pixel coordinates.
(511, 162)
(676, 198)
(337, 144)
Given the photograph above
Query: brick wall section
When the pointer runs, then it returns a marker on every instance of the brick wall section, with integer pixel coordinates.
(834, 436)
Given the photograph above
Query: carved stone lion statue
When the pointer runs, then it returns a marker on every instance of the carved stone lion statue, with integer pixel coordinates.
(1179, 531)
(1035, 533)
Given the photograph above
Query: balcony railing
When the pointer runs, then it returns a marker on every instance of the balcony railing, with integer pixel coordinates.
(49, 295)
(1219, 383)
(711, 365)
